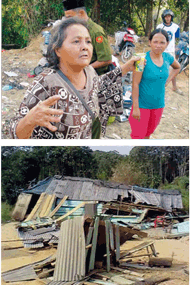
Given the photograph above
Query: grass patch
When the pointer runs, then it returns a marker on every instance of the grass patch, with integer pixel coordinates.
(6, 211)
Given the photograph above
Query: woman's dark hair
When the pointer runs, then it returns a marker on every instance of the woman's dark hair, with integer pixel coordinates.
(58, 35)
(159, 31)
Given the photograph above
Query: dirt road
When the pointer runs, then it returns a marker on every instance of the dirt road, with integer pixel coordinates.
(175, 119)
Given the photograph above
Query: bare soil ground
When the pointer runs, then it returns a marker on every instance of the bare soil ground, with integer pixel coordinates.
(174, 123)
(14, 258)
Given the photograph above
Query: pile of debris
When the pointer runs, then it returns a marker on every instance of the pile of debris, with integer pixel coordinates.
(87, 221)
(88, 246)
(88, 250)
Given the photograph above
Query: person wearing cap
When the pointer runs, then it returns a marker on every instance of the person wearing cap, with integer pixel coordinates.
(173, 31)
(102, 57)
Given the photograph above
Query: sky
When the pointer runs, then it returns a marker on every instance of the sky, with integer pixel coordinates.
(124, 150)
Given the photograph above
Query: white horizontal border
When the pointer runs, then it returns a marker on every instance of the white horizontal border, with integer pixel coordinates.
(107, 142)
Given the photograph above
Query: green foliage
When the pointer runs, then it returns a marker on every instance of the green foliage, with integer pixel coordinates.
(185, 199)
(128, 173)
(23, 164)
(106, 162)
(6, 211)
(21, 21)
(179, 183)
(149, 167)
(161, 164)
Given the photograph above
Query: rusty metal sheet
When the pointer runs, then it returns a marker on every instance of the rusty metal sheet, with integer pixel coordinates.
(70, 260)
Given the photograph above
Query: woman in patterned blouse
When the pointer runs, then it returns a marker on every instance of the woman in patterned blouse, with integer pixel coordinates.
(50, 109)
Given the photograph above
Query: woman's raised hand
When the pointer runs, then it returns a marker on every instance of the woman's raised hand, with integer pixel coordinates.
(43, 115)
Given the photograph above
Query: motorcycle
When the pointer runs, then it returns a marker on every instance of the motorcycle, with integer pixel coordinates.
(182, 51)
(124, 42)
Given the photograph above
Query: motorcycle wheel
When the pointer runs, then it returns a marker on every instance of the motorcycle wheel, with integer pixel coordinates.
(184, 61)
(127, 53)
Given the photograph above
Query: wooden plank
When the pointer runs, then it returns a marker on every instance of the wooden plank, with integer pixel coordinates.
(58, 206)
(48, 210)
(153, 281)
(94, 244)
(36, 207)
(111, 236)
(125, 271)
(37, 214)
(117, 241)
(88, 239)
(153, 249)
(137, 248)
(160, 262)
(45, 205)
(60, 219)
(107, 246)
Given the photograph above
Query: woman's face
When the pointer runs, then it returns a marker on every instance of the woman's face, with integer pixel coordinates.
(158, 43)
(76, 50)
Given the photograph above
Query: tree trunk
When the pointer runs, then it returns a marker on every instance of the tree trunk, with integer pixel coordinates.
(149, 18)
(155, 21)
(186, 24)
(136, 9)
(96, 11)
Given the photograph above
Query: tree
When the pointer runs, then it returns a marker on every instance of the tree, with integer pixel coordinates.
(166, 162)
(21, 165)
(106, 161)
(127, 172)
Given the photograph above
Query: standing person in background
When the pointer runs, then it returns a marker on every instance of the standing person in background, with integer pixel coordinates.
(101, 58)
(173, 31)
(148, 90)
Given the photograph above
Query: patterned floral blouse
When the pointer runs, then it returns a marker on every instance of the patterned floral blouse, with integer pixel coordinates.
(103, 95)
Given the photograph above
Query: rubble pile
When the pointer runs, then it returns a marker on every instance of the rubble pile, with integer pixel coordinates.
(89, 245)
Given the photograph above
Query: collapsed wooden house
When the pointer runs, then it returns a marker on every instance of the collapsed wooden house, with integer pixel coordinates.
(87, 220)
(80, 190)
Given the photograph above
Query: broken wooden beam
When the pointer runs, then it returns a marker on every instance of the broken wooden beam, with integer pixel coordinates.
(160, 262)
(153, 281)
(58, 206)
(60, 219)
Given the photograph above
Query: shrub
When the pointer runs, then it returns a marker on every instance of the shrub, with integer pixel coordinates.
(6, 212)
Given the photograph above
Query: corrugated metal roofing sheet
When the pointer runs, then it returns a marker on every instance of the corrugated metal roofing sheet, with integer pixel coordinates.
(70, 205)
(181, 227)
(20, 274)
(70, 260)
(23, 273)
(86, 189)
(38, 240)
